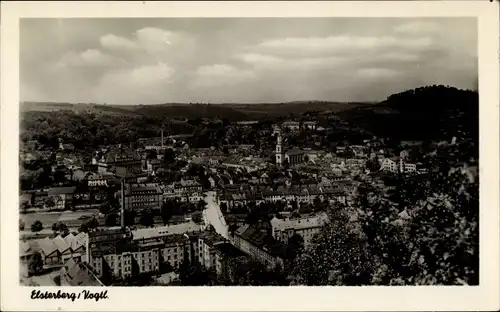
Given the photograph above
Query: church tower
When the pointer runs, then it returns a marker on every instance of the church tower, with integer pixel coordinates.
(279, 151)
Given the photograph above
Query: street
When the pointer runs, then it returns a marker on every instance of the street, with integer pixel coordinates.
(213, 215)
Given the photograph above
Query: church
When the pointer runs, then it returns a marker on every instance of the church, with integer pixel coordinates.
(292, 157)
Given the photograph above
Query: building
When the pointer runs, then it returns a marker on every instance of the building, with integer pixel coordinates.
(389, 164)
(307, 227)
(61, 196)
(259, 245)
(75, 273)
(101, 179)
(143, 196)
(309, 125)
(185, 191)
(55, 252)
(291, 125)
(292, 157)
(117, 157)
(395, 165)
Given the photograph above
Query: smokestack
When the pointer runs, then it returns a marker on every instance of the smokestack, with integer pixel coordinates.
(122, 214)
(162, 138)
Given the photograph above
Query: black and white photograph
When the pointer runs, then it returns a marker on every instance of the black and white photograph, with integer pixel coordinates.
(249, 151)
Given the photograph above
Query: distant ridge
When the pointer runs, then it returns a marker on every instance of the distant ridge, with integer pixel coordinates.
(231, 111)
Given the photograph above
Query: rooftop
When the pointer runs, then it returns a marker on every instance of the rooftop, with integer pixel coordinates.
(61, 190)
(160, 231)
(78, 274)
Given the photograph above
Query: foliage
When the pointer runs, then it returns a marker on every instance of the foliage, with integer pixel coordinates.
(166, 211)
(35, 264)
(37, 226)
(60, 228)
(147, 218)
(112, 219)
(420, 230)
(92, 223)
(21, 225)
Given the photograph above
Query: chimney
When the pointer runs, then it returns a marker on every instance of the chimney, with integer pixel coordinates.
(122, 214)
(162, 138)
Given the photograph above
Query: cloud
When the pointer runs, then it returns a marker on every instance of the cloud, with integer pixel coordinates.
(221, 74)
(417, 28)
(269, 62)
(147, 40)
(116, 42)
(377, 73)
(88, 58)
(333, 45)
(133, 84)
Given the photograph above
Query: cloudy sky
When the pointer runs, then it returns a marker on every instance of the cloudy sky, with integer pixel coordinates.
(147, 61)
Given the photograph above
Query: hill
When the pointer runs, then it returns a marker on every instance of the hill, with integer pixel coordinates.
(426, 113)
(233, 112)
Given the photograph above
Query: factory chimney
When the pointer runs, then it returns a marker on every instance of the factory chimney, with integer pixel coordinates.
(162, 138)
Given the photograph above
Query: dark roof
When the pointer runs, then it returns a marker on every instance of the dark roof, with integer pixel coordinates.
(294, 152)
(252, 235)
(78, 274)
(61, 190)
(128, 172)
(228, 250)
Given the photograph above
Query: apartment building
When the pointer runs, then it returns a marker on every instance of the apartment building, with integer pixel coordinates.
(143, 196)
(259, 245)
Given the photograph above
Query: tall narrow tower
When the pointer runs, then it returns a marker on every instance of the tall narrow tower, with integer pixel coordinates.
(279, 150)
(162, 138)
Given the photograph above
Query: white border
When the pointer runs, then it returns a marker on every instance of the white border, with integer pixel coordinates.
(483, 297)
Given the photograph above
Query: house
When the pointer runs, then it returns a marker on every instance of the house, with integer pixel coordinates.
(63, 247)
(76, 273)
(62, 196)
(389, 164)
(49, 252)
(291, 125)
(65, 147)
(309, 125)
(27, 253)
(101, 179)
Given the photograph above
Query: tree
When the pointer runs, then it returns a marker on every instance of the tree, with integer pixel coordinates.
(105, 209)
(50, 202)
(420, 232)
(294, 247)
(201, 204)
(35, 264)
(61, 228)
(223, 207)
(197, 217)
(36, 227)
(147, 218)
(166, 212)
(59, 176)
(92, 223)
(129, 217)
(169, 157)
(372, 165)
(111, 219)
(21, 225)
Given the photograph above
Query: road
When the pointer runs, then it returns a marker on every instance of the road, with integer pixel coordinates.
(213, 215)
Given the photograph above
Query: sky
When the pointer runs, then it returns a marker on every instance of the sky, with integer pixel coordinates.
(235, 60)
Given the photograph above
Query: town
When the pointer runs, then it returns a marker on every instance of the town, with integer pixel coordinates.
(240, 202)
